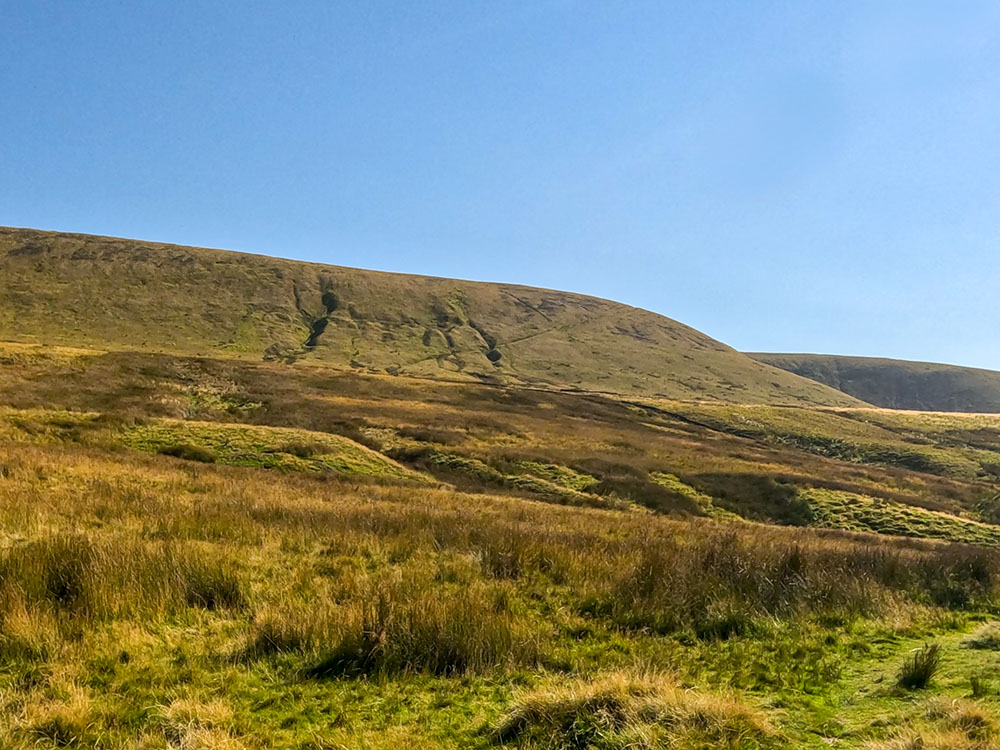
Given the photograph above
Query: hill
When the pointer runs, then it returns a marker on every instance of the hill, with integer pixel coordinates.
(82, 290)
(897, 384)
(220, 529)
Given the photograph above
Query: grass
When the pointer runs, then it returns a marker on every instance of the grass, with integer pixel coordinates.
(946, 725)
(627, 711)
(589, 435)
(704, 502)
(842, 510)
(366, 563)
(473, 472)
(392, 631)
(223, 552)
(150, 600)
(919, 669)
(189, 452)
(857, 436)
(898, 384)
(262, 447)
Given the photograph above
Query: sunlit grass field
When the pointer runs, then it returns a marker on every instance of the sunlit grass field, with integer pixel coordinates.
(213, 554)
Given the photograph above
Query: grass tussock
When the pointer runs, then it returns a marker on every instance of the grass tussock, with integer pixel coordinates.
(189, 452)
(97, 578)
(947, 724)
(65, 722)
(188, 723)
(396, 628)
(403, 623)
(718, 584)
(986, 638)
(642, 713)
(919, 669)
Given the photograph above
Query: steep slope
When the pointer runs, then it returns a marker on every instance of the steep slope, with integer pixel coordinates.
(125, 294)
(897, 384)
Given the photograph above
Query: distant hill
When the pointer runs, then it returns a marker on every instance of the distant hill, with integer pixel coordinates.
(125, 294)
(897, 384)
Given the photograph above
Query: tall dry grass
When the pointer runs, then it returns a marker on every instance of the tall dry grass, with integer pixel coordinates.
(387, 579)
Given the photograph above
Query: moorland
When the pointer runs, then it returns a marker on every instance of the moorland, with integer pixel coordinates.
(205, 545)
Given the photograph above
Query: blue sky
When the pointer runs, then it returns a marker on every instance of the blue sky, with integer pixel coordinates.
(786, 176)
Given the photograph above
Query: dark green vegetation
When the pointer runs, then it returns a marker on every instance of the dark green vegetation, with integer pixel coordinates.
(124, 294)
(240, 551)
(918, 671)
(896, 384)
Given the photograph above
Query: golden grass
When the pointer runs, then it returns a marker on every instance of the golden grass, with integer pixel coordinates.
(115, 537)
(574, 437)
(946, 724)
(644, 712)
(152, 602)
(229, 304)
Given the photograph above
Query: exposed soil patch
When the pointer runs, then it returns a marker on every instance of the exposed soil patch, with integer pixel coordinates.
(491, 341)
(29, 248)
(330, 302)
(318, 326)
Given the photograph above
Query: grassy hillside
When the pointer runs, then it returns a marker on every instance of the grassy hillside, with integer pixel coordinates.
(244, 542)
(80, 290)
(220, 553)
(896, 384)
(209, 554)
(774, 464)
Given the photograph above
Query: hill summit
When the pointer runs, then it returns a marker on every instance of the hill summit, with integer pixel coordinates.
(74, 289)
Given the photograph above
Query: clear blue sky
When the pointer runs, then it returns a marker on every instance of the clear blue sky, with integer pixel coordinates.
(786, 176)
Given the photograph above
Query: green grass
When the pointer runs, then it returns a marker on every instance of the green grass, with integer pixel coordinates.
(703, 501)
(562, 476)
(544, 444)
(549, 482)
(842, 510)
(919, 443)
(428, 548)
(346, 560)
(266, 447)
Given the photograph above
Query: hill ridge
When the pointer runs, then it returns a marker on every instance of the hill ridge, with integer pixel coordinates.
(897, 384)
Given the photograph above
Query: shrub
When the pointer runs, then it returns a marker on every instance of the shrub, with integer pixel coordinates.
(918, 671)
